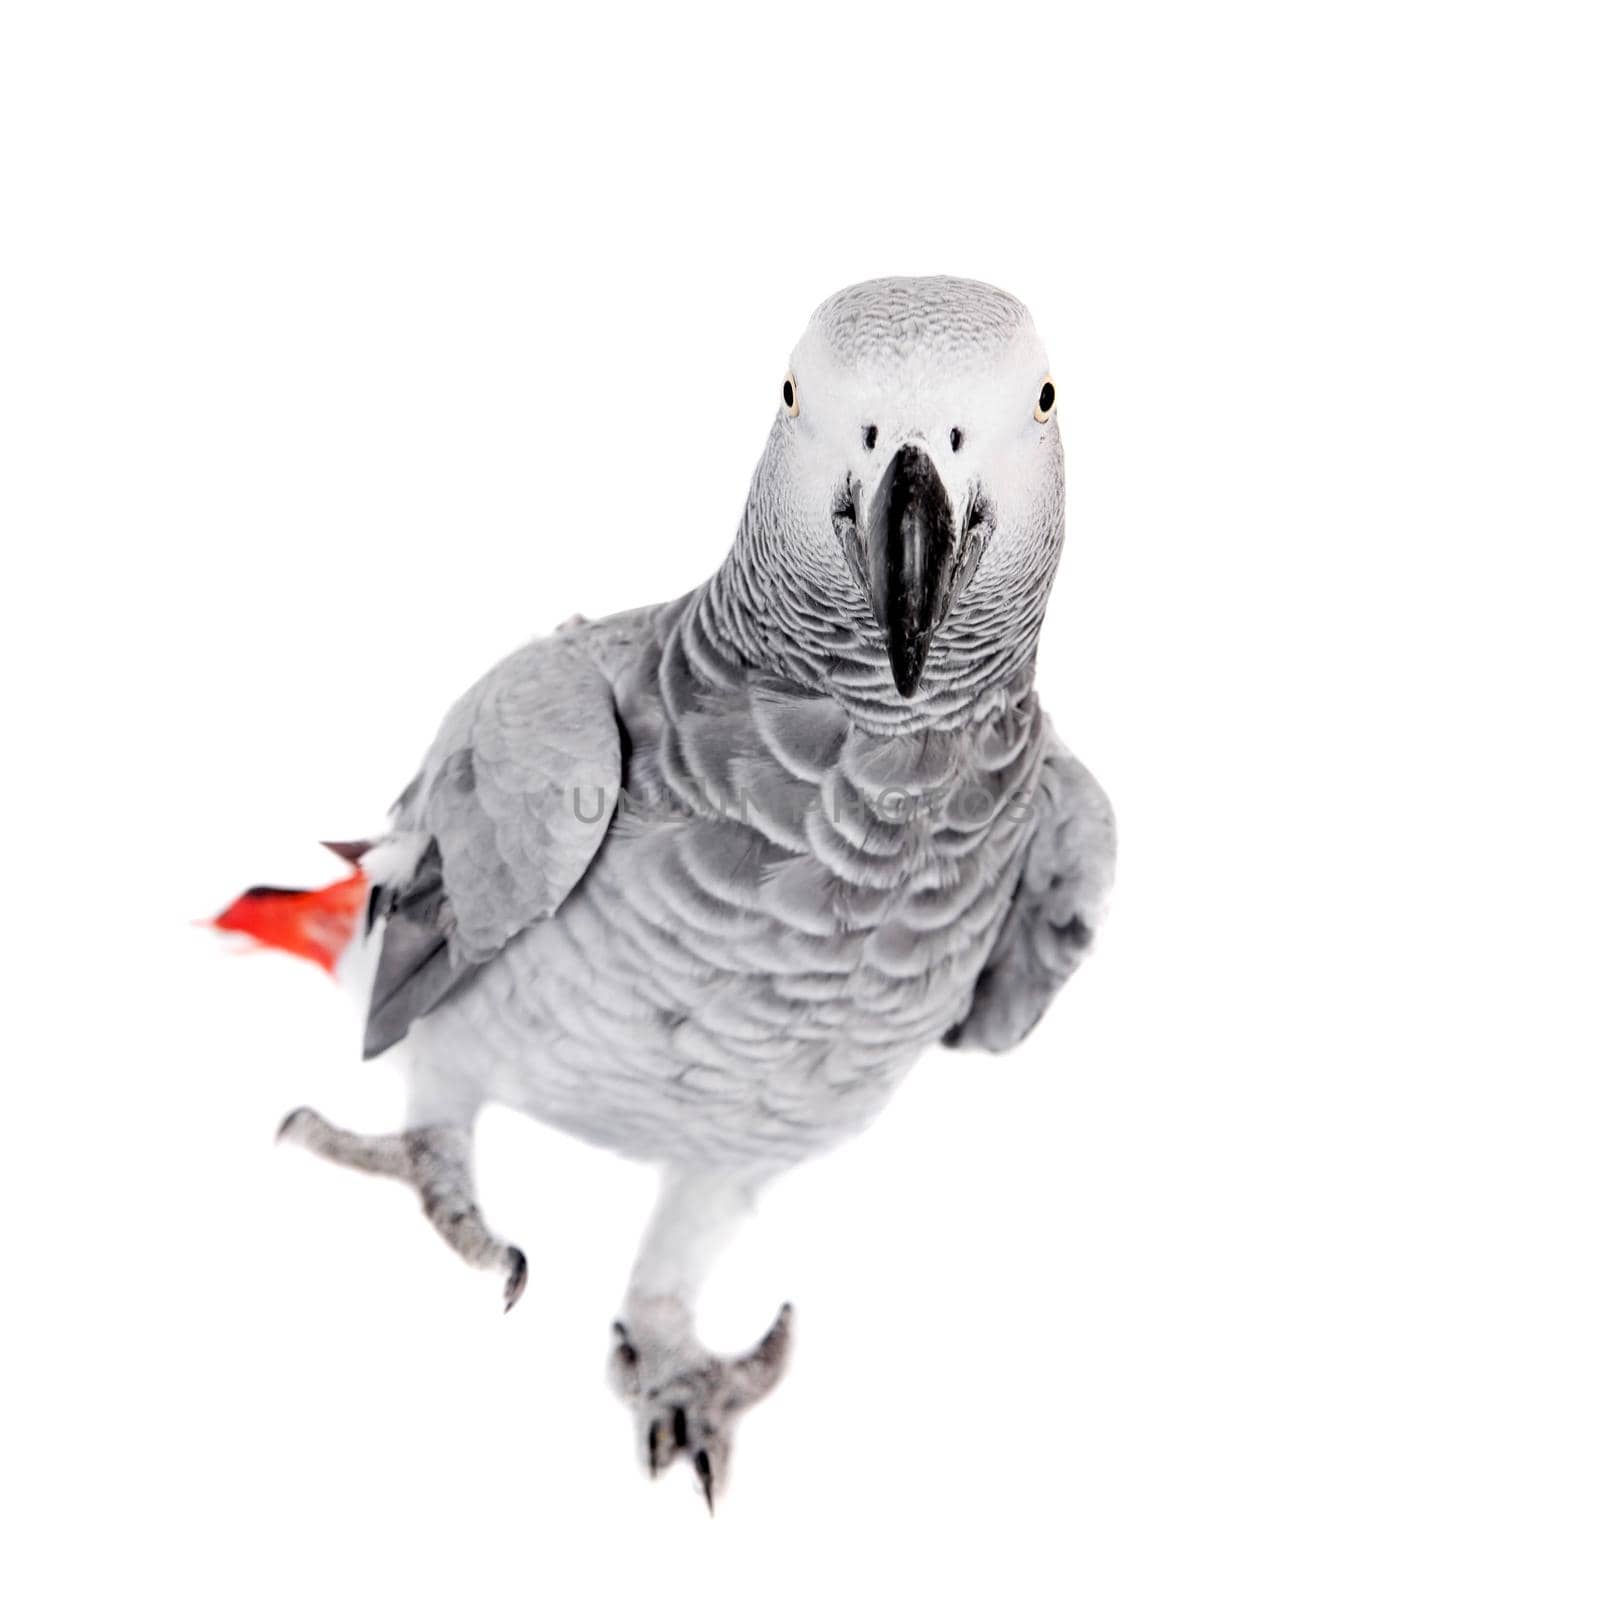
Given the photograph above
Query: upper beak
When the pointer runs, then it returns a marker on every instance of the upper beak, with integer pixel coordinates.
(913, 549)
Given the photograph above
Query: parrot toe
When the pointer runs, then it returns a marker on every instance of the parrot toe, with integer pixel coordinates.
(623, 1366)
(293, 1125)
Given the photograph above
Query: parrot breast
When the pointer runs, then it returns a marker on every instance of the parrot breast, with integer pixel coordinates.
(787, 910)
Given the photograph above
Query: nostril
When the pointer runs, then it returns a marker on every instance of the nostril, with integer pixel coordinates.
(956, 437)
(869, 435)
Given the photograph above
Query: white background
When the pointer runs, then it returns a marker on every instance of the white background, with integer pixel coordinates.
(341, 348)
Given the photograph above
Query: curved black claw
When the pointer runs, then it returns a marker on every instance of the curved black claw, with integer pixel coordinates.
(702, 1470)
(517, 1276)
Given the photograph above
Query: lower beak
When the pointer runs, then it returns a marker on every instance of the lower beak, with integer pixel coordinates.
(912, 553)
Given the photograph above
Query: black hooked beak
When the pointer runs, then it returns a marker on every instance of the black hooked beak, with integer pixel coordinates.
(913, 550)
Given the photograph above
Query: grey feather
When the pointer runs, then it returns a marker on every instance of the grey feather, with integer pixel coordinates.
(1057, 910)
(415, 971)
(515, 796)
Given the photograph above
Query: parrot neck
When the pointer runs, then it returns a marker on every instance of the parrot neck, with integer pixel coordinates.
(763, 609)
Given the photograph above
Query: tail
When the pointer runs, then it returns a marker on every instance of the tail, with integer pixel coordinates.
(316, 924)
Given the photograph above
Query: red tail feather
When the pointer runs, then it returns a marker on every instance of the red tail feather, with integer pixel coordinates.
(316, 924)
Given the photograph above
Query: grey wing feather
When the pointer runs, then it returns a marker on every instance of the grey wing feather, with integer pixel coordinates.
(1059, 906)
(415, 971)
(514, 797)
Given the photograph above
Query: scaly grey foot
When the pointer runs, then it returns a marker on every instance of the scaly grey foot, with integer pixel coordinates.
(437, 1162)
(687, 1401)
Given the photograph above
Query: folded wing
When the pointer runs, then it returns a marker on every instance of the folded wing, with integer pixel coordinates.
(511, 805)
(1059, 905)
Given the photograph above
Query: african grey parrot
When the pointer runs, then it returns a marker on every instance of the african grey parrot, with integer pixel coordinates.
(700, 882)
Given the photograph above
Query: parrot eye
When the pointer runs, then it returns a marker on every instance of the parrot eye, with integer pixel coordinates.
(791, 396)
(1047, 401)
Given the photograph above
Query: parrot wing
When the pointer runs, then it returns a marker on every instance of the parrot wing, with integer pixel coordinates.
(510, 807)
(1059, 905)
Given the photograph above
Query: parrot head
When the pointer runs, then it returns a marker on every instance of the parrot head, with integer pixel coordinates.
(912, 487)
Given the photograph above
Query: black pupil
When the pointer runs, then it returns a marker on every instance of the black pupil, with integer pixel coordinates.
(1047, 397)
(870, 437)
(955, 438)
(788, 393)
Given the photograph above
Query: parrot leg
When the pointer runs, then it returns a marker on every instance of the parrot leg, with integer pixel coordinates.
(685, 1399)
(437, 1162)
